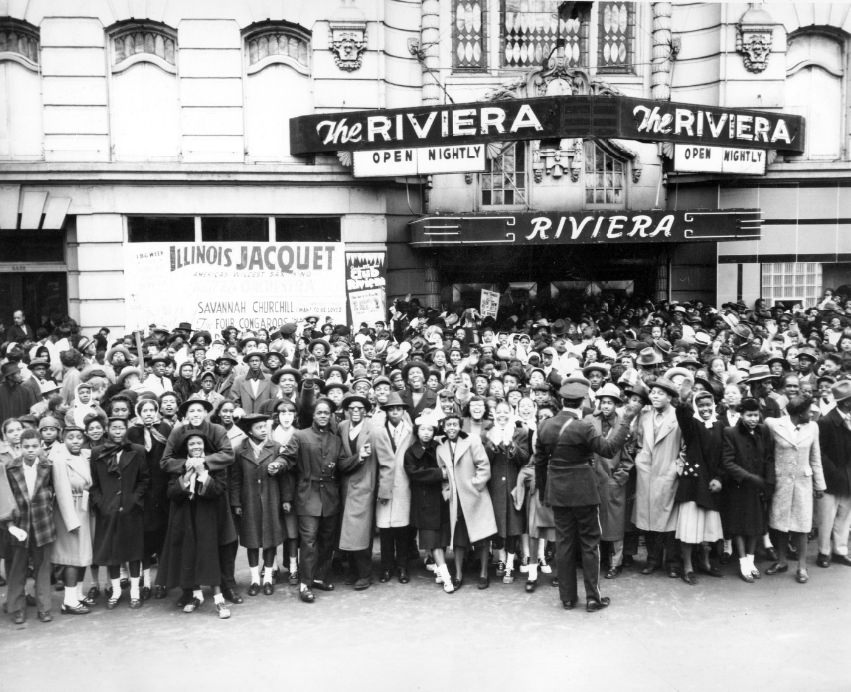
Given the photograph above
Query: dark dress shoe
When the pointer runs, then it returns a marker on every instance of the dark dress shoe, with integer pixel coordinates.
(185, 598)
(79, 609)
(457, 583)
(20, 618)
(159, 592)
(145, 593)
(385, 576)
(45, 616)
(232, 596)
(628, 561)
(322, 585)
(842, 560)
(404, 578)
(746, 578)
(268, 588)
(362, 584)
(613, 572)
(89, 602)
(531, 586)
(307, 596)
(94, 593)
(649, 568)
(674, 572)
(254, 589)
(823, 560)
(135, 603)
(689, 578)
(293, 578)
(594, 605)
(350, 579)
(568, 605)
(483, 583)
(709, 570)
(802, 576)
(777, 568)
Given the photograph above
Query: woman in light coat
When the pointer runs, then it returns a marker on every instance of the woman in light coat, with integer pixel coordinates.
(659, 443)
(72, 478)
(357, 490)
(470, 508)
(798, 477)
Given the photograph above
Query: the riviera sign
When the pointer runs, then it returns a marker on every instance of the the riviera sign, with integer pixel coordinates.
(547, 118)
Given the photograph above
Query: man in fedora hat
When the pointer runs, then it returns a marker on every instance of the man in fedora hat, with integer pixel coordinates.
(759, 379)
(566, 480)
(157, 382)
(833, 510)
(15, 399)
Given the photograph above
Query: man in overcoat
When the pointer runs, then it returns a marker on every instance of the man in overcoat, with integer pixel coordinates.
(565, 477)
(833, 510)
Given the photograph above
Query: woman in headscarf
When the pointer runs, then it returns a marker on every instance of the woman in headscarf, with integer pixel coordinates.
(199, 522)
(698, 491)
(507, 447)
(150, 432)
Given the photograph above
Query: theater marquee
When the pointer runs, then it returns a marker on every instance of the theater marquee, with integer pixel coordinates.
(547, 118)
(564, 228)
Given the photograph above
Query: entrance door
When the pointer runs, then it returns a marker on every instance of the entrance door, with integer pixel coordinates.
(43, 296)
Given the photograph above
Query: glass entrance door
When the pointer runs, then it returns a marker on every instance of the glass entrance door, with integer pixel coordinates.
(43, 296)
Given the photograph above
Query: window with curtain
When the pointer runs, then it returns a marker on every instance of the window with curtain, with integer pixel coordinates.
(815, 64)
(503, 182)
(143, 99)
(278, 58)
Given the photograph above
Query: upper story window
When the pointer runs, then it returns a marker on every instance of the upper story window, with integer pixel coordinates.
(280, 42)
(615, 37)
(815, 64)
(531, 29)
(605, 176)
(503, 184)
(19, 42)
(151, 42)
(468, 35)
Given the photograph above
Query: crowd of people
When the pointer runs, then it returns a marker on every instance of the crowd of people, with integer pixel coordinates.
(511, 445)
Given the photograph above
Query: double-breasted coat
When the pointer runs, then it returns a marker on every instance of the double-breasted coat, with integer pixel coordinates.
(318, 457)
(393, 483)
(357, 488)
(258, 495)
(72, 480)
(32, 514)
(747, 460)
(469, 471)
(613, 472)
(797, 471)
(835, 443)
(506, 460)
(118, 500)
(658, 448)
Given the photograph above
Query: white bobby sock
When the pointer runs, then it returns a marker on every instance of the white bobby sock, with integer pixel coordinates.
(71, 598)
(197, 593)
(267, 575)
(116, 587)
(293, 564)
(532, 574)
(255, 574)
(542, 549)
(79, 589)
(134, 587)
(146, 574)
(509, 562)
(218, 599)
(766, 541)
